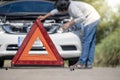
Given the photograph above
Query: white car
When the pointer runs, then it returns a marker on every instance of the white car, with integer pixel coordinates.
(16, 19)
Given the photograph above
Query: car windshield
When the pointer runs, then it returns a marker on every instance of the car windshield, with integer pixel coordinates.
(27, 6)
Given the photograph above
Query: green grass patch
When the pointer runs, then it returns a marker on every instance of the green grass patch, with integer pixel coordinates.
(108, 51)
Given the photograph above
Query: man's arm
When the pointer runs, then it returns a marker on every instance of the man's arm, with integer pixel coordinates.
(53, 12)
(45, 16)
(68, 24)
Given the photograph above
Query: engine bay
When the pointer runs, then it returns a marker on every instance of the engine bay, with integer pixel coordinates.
(23, 26)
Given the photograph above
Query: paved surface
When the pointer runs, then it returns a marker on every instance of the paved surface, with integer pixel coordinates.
(60, 74)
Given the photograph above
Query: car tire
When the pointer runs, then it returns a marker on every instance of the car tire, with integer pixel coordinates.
(72, 61)
(1, 62)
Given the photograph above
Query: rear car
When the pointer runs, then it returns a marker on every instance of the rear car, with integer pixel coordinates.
(16, 19)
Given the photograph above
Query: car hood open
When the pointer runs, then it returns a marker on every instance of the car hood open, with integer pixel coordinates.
(26, 6)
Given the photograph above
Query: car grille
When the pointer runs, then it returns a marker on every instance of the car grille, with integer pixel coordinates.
(14, 47)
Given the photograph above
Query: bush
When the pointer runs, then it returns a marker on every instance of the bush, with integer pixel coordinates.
(108, 51)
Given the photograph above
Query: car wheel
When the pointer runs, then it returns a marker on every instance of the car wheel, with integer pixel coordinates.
(72, 61)
(1, 62)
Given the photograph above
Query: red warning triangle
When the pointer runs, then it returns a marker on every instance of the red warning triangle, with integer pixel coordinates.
(23, 57)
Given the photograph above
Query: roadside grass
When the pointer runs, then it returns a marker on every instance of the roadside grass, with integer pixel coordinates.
(108, 51)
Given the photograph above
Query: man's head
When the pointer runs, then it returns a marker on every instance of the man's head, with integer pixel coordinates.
(62, 5)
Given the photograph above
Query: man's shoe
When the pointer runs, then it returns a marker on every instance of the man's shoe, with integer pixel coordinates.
(77, 66)
(89, 66)
(80, 66)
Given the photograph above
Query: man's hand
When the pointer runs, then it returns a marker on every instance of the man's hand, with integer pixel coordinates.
(44, 17)
(60, 30)
(65, 26)
(68, 24)
(41, 17)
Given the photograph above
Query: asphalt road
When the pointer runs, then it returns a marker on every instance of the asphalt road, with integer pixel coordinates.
(60, 74)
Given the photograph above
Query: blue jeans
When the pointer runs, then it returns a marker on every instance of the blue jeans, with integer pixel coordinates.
(88, 43)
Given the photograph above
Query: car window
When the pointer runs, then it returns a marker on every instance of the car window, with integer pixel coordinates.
(28, 6)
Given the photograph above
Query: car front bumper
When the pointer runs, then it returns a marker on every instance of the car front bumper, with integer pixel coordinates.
(68, 44)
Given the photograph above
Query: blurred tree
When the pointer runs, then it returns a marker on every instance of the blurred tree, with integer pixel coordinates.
(108, 41)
